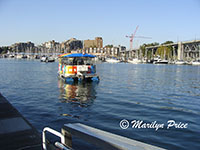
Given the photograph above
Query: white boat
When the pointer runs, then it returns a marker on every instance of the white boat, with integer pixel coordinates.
(50, 59)
(30, 56)
(44, 59)
(135, 61)
(11, 56)
(112, 60)
(47, 59)
(155, 59)
(19, 56)
(161, 61)
(197, 62)
(180, 62)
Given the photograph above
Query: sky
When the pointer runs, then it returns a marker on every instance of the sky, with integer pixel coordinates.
(44, 20)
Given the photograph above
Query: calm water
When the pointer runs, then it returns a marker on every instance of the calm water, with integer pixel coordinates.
(126, 91)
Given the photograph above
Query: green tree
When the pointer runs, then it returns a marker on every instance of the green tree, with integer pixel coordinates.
(143, 48)
(167, 42)
(165, 52)
(109, 46)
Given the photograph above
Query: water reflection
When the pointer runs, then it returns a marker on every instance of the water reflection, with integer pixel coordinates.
(81, 94)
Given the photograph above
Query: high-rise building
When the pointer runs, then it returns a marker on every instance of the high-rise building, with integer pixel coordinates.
(97, 42)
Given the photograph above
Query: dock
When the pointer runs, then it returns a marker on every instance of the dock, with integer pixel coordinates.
(16, 133)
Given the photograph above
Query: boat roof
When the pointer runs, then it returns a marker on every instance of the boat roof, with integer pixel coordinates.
(76, 55)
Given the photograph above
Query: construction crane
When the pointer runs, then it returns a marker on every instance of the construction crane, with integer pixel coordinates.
(132, 36)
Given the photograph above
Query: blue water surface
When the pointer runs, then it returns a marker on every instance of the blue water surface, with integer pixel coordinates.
(143, 92)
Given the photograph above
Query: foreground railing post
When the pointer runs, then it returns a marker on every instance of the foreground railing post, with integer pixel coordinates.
(67, 138)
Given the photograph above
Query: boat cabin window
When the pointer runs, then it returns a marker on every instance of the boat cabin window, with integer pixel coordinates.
(77, 61)
(67, 61)
(88, 61)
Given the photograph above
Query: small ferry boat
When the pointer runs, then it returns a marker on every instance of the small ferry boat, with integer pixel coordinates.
(75, 67)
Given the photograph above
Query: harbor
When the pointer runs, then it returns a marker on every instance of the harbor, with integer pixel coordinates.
(99, 75)
(146, 92)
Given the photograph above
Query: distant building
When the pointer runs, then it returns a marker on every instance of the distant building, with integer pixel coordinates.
(122, 48)
(23, 47)
(50, 44)
(108, 50)
(75, 44)
(116, 51)
(71, 45)
(122, 51)
(97, 42)
(63, 45)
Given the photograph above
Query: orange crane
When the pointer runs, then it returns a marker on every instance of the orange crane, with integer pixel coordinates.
(132, 36)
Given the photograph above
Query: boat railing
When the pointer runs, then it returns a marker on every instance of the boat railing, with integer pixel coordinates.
(102, 139)
(62, 145)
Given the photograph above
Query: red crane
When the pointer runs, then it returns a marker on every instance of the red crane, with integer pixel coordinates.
(132, 36)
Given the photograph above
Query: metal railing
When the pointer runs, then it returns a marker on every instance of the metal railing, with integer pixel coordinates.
(99, 138)
(61, 145)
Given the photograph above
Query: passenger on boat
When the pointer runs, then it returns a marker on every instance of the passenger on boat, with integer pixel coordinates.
(80, 62)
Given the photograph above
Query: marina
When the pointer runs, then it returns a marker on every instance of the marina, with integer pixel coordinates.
(99, 75)
(185, 52)
(143, 91)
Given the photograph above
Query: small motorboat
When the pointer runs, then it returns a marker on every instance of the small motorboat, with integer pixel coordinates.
(47, 59)
(112, 60)
(11, 56)
(161, 61)
(19, 56)
(180, 62)
(44, 58)
(197, 62)
(135, 61)
(50, 59)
